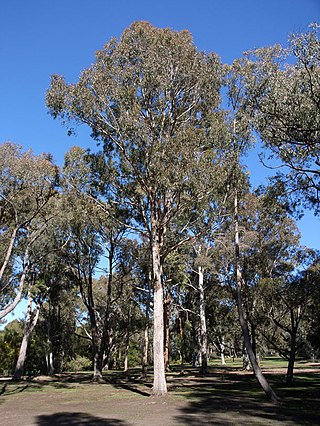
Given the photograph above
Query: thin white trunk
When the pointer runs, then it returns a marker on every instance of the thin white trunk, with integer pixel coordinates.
(222, 347)
(203, 325)
(145, 351)
(9, 252)
(50, 363)
(125, 368)
(10, 307)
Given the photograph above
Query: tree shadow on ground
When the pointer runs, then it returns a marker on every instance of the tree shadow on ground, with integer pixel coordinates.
(117, 379)
(18, 389)
(77, 419)
(237, 399)
(130, 380)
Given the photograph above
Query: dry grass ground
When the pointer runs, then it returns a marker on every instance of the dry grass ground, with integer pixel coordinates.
(227, 396)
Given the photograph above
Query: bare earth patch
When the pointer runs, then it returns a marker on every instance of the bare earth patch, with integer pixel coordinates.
(225, 397)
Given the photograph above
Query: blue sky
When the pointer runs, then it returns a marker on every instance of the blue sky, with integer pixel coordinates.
(42, 37)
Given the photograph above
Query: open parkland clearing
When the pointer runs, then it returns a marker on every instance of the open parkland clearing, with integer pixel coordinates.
(226, 396)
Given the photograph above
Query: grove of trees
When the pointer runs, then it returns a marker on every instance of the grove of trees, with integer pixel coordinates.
(156, 235)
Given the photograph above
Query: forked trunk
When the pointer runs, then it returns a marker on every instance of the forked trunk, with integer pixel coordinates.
(244, 327)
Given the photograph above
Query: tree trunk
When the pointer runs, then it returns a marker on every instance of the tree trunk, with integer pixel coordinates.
(30, 322)
(106, 338)
(126, 351)
(181, 343)
(293, 348)
(9, 251)
(203, 325)
(159, 380)
(243, 323)
(222, 347)
(145, 345)
(96, 352)
(49, 354)
(97, 361)
(50, 363)
(88, 300)
(253, 338)
(167, 329)
(9, 308)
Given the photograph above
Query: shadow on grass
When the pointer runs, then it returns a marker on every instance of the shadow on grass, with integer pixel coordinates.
(76, 419)
(117, 379)
(18, 389)
(130, 381)
(236, 399)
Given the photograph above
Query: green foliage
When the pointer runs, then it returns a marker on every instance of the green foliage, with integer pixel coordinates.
(282, 94)
(10, 339)
(79, 363)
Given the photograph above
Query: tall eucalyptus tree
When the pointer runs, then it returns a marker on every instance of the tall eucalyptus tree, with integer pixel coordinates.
(152, 99)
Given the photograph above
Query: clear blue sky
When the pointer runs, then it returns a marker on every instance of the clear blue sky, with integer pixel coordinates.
(42, 37)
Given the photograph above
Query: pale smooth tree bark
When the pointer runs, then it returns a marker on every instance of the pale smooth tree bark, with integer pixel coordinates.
(222, 348)
(127, 340)
(203, 325)
(10, 307)
(159, 380)
(9, 251)
(126, 353)
(30, 322)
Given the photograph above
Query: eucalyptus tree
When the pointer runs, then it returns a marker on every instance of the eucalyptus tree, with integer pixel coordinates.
(42, 275)
(211, 222)
(286, 303)
(240, 141)
(27, 185)
(269, 241)
(84, 246)
(96, 242)
(283, 96)
(152, 99)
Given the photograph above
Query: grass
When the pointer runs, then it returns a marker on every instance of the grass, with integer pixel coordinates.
(225, 394)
